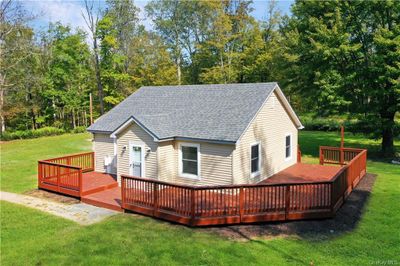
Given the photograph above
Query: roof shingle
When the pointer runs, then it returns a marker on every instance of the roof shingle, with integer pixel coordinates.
(211, 112)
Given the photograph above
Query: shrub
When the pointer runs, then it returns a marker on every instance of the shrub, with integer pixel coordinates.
(29, 134)
(333, 124)
(80, 129)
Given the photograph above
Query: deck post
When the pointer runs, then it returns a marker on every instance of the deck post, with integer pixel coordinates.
(341, 145)
(241, 203)
(287, 201)
(192, 206)
(123, 192)
(58, 178)
(298, 154)
(333, 190)
(92, 161)
(155, 198)
(80, 182)
(321, 156)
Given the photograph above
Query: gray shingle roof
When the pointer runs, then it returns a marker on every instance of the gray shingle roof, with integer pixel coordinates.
(210, 112)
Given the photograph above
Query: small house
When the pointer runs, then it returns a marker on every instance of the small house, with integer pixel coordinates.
(198, 134)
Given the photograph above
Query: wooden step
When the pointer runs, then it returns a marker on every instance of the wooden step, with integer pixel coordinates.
(109, 199)
(99, 189)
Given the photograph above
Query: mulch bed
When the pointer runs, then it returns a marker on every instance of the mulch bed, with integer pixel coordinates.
(43, 194)
(346, 219)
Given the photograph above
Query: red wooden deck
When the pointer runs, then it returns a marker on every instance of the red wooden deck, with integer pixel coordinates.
(302, 172)
(302, 191)
(93, 182)
(109, 198)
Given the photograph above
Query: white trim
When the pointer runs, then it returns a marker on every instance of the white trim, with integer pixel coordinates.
(258, 173)
(115, 153)
(291, 146)
(185, 175)
(143, 162)
(289, 107)
(127, 123)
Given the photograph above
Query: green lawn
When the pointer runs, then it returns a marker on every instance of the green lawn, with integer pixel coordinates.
(32, 237)
(19, 158)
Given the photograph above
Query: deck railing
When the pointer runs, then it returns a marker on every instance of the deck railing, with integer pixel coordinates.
(208, 205)
(64, 174)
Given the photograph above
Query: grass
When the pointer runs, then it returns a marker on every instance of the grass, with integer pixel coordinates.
(19, 158)
(32, 237)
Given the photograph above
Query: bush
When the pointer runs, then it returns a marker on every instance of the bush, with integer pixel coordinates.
(80, 129)
(29, 134)
(333, 124)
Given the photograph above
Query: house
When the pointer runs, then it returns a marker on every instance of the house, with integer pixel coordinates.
(198, 134)
(210, 154)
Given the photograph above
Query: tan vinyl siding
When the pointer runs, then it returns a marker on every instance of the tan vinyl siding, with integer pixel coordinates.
(167, 161)
(103, 146)
(135, 134)
(269, 127)
(215, 165)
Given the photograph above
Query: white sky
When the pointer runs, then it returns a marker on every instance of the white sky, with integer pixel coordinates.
(70, 11)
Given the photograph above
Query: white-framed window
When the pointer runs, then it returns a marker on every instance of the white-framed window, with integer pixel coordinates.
(288, 146)
(189, 160)
(255, 157)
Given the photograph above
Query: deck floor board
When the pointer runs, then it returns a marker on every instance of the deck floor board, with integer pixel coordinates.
(302, 172)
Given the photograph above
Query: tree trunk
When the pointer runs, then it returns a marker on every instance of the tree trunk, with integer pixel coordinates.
(178, 70)
(73, 118)
(2, 118)
(388, 133)
(98, 75)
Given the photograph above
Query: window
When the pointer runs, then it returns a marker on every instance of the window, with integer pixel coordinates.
(255, 159)
(288, 146)
(189, 160)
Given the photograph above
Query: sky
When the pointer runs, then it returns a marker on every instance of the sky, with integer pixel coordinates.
(70, 12)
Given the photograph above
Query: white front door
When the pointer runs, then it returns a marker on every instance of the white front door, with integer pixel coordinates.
(136, 160)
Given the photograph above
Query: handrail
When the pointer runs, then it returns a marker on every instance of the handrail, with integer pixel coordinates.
(60, 164)
(226, 186)
(244, 203)
(68, 156)
(64, 174)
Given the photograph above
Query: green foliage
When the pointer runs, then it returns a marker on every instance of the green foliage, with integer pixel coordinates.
(354, 126)
(345, 57)
(329, 57)
(80, 129)
(30, 134)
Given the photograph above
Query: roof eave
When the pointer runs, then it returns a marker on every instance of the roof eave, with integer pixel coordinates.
(127, 123)
(214, 141)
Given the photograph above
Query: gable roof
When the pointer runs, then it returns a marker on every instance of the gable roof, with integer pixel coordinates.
(217, 112)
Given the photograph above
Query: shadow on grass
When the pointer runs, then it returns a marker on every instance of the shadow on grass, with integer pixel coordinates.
(346, 220)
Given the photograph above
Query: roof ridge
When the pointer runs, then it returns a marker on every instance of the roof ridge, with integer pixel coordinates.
(213, 84)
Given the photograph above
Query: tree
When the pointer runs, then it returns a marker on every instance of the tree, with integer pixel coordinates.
(172, 23)
(16, 64)
(92, 18)
(68, 76)
(344, 56)
(151, 63)
(15, 41)
(116, 30)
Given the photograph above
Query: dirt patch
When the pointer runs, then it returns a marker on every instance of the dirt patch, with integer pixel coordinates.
(43, 194)
(346, 220)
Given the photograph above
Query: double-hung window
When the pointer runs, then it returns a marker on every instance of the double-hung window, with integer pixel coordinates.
(288, 146)
(189, 157)
(255, 159)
